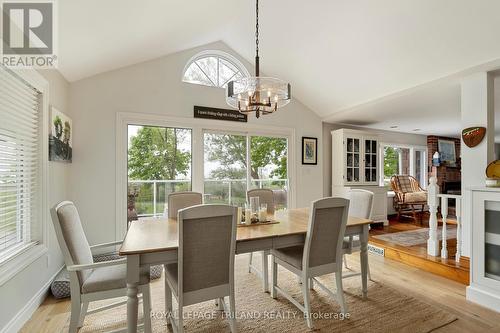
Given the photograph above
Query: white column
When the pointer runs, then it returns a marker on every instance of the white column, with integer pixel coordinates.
(459, 229)
(432, 202)
(444, 213)
(476, 110)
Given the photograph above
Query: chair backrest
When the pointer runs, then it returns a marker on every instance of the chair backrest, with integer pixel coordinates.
(180, 200)
(265, 196)
(280, 198)
(360, 203)
(71, 237)
(207, 245)
(405, 184)
(325, 233)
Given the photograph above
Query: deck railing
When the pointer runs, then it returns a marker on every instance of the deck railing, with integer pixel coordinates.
(435, 200)
(152, 194)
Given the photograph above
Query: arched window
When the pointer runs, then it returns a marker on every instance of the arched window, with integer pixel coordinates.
(213, 68)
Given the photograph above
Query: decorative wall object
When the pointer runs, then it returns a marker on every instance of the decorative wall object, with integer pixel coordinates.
(447, 151)
(60, 137)
(473, 136)
(309, 150)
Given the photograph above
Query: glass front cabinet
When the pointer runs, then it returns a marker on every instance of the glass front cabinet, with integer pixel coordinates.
(354, 158)
(485, 256)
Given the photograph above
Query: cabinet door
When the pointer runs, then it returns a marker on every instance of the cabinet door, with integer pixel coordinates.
(486, 239)
(370, 161)
(353, 159)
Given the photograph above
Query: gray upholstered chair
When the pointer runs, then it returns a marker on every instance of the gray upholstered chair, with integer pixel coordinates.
(205, 267)
(321, 254)
(265, 196)
(91, 281)
(361, 205)
(180, 200)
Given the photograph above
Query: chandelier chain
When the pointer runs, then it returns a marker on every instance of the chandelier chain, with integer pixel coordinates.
(257, 28)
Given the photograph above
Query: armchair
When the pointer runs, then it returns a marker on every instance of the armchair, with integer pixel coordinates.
(409, 194)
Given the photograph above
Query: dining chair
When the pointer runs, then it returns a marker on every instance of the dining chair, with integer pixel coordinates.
(180, 200)
(321, 254)
(361, 205)
(265, 196)
(92, 281)
(205, 266)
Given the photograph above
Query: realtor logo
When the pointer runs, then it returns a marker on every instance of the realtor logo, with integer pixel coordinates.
(28, 34)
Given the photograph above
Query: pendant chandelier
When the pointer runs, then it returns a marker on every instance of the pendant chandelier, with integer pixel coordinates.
(259, 94)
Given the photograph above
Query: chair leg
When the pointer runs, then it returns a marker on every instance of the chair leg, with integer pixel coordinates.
(168, 302)
(180, 321)
(274, 270)
(307, 302)
(340, 291)
(232, 312)
(250, 263)
(146, 306)
(83, 313)
(311, 283)
(265, 271)
(76, 308)
(345, 262)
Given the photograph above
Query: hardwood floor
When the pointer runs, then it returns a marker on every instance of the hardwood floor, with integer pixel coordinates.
(52, 316)
(416, 255)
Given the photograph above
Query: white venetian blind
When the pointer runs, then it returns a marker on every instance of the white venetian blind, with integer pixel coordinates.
(19, 159)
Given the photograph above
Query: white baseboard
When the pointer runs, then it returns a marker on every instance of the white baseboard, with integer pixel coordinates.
(484, 297)
(17, 322)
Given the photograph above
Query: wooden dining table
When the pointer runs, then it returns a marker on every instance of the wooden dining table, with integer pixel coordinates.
(155, 241)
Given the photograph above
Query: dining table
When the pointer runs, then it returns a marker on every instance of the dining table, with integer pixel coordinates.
(155, 241)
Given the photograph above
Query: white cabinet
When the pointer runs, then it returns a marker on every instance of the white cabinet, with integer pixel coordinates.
(355, 165)
(485, 256)
(354, 158)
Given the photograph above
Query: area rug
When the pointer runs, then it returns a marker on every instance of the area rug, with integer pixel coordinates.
(417, 236)
(385, 310)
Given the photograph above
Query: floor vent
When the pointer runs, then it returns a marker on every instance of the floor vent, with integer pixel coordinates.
(379, 251)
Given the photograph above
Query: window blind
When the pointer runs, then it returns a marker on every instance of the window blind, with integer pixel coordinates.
(19, 159)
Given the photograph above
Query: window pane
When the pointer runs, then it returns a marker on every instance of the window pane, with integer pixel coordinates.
(195, 75)
(268, 157)
(159, 163)
(225, 168)
(391, 163)
(208, 66)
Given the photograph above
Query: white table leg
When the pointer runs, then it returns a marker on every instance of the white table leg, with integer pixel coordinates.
(265, 271)
(364, 260)
(132, 290)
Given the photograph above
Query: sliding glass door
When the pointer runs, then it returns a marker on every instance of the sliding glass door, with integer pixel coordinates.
(159, 163)
(234, 163)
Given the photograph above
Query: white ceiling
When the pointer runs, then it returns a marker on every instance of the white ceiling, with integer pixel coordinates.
(339, 55)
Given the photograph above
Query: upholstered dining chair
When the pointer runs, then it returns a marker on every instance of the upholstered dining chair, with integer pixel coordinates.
(361, 205)
(180, 200)
(266, 196)
(205, 267)
(321, 254)
(91, 281)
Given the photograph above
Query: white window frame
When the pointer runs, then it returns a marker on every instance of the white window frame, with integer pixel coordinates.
(197, 126)
(218, 54)
(412, 148)
(24, 256)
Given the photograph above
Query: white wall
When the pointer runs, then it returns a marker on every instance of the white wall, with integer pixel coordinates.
(155, 87)
(17, 293)
(384, 136)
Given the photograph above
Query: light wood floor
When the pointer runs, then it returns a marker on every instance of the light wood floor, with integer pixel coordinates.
(446, 294)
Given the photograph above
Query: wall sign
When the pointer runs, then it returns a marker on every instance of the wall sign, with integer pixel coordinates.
(473, 136)
(219, 114)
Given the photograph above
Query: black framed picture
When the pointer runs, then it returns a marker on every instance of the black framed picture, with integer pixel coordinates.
(309, 150)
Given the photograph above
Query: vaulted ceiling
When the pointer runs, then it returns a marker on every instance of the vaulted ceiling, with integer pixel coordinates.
(339, 55)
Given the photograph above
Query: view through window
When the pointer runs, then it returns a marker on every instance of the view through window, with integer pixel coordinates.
(159, 163)
(404, 161)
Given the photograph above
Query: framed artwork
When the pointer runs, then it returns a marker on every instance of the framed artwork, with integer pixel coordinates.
(60, 137)
(309, 150)
(447, 151)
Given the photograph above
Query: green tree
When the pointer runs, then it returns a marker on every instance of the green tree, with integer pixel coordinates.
(230, 152)
(391, 161)
(154, 154)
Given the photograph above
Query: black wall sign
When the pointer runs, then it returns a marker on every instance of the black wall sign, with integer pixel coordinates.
(219, 114)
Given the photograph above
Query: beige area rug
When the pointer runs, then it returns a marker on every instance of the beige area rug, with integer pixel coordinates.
(385, 310)
(417, 236)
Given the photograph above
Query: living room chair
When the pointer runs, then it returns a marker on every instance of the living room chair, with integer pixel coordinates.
(409, 194)
(320, 255)
(180, 200)
(205, 267)
(266, 196)
(92, 281)
(360, 205)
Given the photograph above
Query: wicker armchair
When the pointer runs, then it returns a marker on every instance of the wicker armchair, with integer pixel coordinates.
(409, 194)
